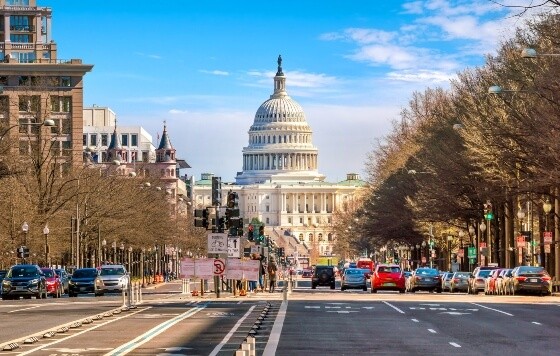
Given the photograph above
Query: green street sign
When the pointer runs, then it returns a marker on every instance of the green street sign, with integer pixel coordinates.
(471, 252)
(489, 216)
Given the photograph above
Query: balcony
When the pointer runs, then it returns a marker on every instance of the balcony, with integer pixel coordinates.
(22, 28)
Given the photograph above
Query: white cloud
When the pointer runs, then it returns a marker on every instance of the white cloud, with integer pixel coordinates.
(414, 7)
(422, 76)
(394, 56)
(214, 72)
(153, 56)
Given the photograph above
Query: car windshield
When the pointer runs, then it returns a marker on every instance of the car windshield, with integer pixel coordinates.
(427, 272)
(112, 272)
(60, 272)
(532, 270)
(23, 272)
(484, 272)
(84, 273)
(461, 275)
(389, 269)
(48, 273)
(354, 271)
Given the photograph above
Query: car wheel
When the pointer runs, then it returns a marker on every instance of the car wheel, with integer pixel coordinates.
(364, 289)
(374, 290)
(5, 297)
(313, 286)
(71, 295)
(439, 290)
(333, 286)
(342, 289)
(412, 290)
(402, 291)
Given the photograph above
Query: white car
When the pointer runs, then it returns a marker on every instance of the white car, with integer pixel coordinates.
(115, 278)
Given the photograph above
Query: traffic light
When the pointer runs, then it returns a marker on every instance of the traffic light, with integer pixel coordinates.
(216, 191)
(250, 229)
(527, 259)
(280, 251)
(260, 236)
(201, 218)
(488, 213)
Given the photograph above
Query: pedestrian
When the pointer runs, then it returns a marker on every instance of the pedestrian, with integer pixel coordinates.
(272, 272)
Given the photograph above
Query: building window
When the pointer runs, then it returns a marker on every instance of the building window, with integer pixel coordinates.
(66, 104)
(267, 208)
(30, 103)
(289, 220)
(267, 220)
(134, 140)
(145, 156)
(65, 81)
(66, 126)
(104, 139)
(124, 140)
(93, 140)
(301, 220)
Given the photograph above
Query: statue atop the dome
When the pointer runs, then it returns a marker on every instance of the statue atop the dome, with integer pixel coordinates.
(279, 65)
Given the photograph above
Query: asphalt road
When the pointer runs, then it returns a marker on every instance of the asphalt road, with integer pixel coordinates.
(321, 321)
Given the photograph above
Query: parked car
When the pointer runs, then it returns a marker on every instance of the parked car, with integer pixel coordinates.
(387, 277)
(500, 281)
(307, 273)
(531, 279)
(478, 279)
(425, 278)
(114, 278)
(506, 285)
(85, 280)
(491, 281)
(353, 278)
(459, 282)
(54, 286)
(64, 278)
(323, 276)
(446, 281)
(2, 275)
(24, 281)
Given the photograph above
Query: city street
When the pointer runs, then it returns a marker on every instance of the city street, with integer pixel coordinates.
(323, 321)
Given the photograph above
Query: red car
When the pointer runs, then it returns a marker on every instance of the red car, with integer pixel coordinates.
(387, 277)
(490, 283)
(54, 285)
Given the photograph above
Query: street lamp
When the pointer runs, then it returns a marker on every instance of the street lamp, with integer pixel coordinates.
(25, 229)
(46, 233)
(114, 246)
(449, 239)
(121, 247)
(423, 247)
(104, 244)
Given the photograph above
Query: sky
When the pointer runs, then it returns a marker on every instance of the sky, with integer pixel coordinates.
(205, 67)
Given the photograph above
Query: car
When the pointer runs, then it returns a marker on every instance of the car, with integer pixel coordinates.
(477, 280)
(425, 278)
(307, 273)
(353, 278)
(54, 286)
(501, 281)
(2, 275)
(531, 279)
(506, 286)
(323, 276)
(24, 280)
(446, 281)
(459, 282)
(491, 282)
(114, 278)
(85, 280)
(388, 277)
(366, 272)
(64, 278)
(366, 263)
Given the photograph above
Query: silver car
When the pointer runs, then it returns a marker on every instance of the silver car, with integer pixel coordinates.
(353, 278)
(114, 278)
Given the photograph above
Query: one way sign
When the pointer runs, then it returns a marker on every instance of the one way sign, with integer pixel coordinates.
(234, 250)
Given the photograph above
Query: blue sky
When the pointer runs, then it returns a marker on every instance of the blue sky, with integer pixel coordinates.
(206, 66)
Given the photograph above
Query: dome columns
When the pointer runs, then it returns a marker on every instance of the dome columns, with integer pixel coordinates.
(280, 161)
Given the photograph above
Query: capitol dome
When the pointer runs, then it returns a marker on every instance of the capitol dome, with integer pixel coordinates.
(280, 141)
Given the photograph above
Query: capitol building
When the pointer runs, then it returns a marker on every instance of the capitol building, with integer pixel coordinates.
(280, 184)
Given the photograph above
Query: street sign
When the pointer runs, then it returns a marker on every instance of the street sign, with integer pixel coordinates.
(471, 252)
(217, 243)
(219, 267)
(520, 241)
(547, 248)
(234, 248)
(547, 236)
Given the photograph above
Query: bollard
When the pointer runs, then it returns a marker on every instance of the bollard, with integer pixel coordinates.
(241, 353)
(290, 281)
(140, 294)
(124, 297)
(285, 292)
(183, 289)
(252, 343)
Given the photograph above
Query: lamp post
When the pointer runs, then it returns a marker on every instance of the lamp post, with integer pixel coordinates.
(423, 247)
(482, 228)
(547, 208)
(472, 242)
(461, 235)
(114, 246)
(129, 258)
(46, 233)
(104, 245)
(121, 248)
(520, 217)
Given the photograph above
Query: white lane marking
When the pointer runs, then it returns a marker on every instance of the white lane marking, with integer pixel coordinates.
(496, 310)
(342, 311)
(13, 311)
(454, 344)
(274, 338)
(230, 333)
(537, 323)
(432, 331)
(239, 302)
(415, 320)
(153, 332)
(312, 307)
(84, 331)
(394, 307)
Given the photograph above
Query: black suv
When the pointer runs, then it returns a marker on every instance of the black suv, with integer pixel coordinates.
(24, 281)
(323, 276)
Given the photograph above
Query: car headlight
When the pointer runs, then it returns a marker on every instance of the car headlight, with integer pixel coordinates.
(34, 281)
(6, 283)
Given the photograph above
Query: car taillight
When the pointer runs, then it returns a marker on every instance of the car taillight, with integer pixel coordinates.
(455, 280)
(545, 278)
(521, 278)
